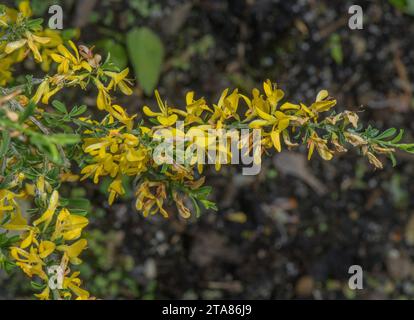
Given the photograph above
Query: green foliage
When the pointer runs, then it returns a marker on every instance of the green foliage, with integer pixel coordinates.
(146, 52)
(336, 48)
(6, 242)
(117, 51)
(406, 6)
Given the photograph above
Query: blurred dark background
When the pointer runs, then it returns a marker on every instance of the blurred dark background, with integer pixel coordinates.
(294, 230)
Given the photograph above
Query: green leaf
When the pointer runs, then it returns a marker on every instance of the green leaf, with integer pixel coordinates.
(398, 137)
(406, 6)
(209, 205)
(196, 206)
(393, 160)
(117, 52)
(69, 33)
(77, 111)
(64, 138)
(399, 4)
(6, 242)
(45, 145)
(336, 48)
(5, 142)
(406, 147)
(60, 106)
(79, 212)
(35, 24)
(28, 111)
(146, 53)
(386, 134)
(37, 286)
(79, 203)
(5, 263)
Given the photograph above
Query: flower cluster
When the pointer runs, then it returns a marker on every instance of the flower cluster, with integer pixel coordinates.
(32, 167)
(21, 36)
(52, 239)
(280, 124)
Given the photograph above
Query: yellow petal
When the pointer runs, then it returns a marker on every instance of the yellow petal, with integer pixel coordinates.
(28, 240)
(41, 90)
(24, 8)
(75, 49)
(46, 248)
(124, 88)
(148, 112)
(56, 57)
(18, 222)
(35, 50)
(74, 250)
(275, 136)
(189, 97)
(66, 53)
(44, 295)
(322, 106)
(48, 95)
(282, 124)
(267, 87)
(81, 293)
(265, 115)
(311, 149)
(167, 121)
(42, 40)
(322, 95)
(289, 106)
(86, 66)
(222, 97)
(324, 152)
(306, 109)
(12, 46)
(256, 124)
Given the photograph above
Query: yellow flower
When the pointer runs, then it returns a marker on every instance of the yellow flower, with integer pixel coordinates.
(119, 79)
(46, 248)
(74, 250)
(30, 238)
(47, 216)
(9, 16)
(116, 153)
(164, 117)
(69, 226)
(150, 203)
(279, 122)
(24, 8)
(33, 41)
(14, 45)
(44, 92)
(322, 102)
(44, 295)
(194, 109)
(67, 61)
(73, 283)
(120, 114)
(8, 204)
(103, 100)
(273, 94)
(30, 262)
(321, 146)
(115, 189)
(225, 108)
(68, 177)
(5, 70)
